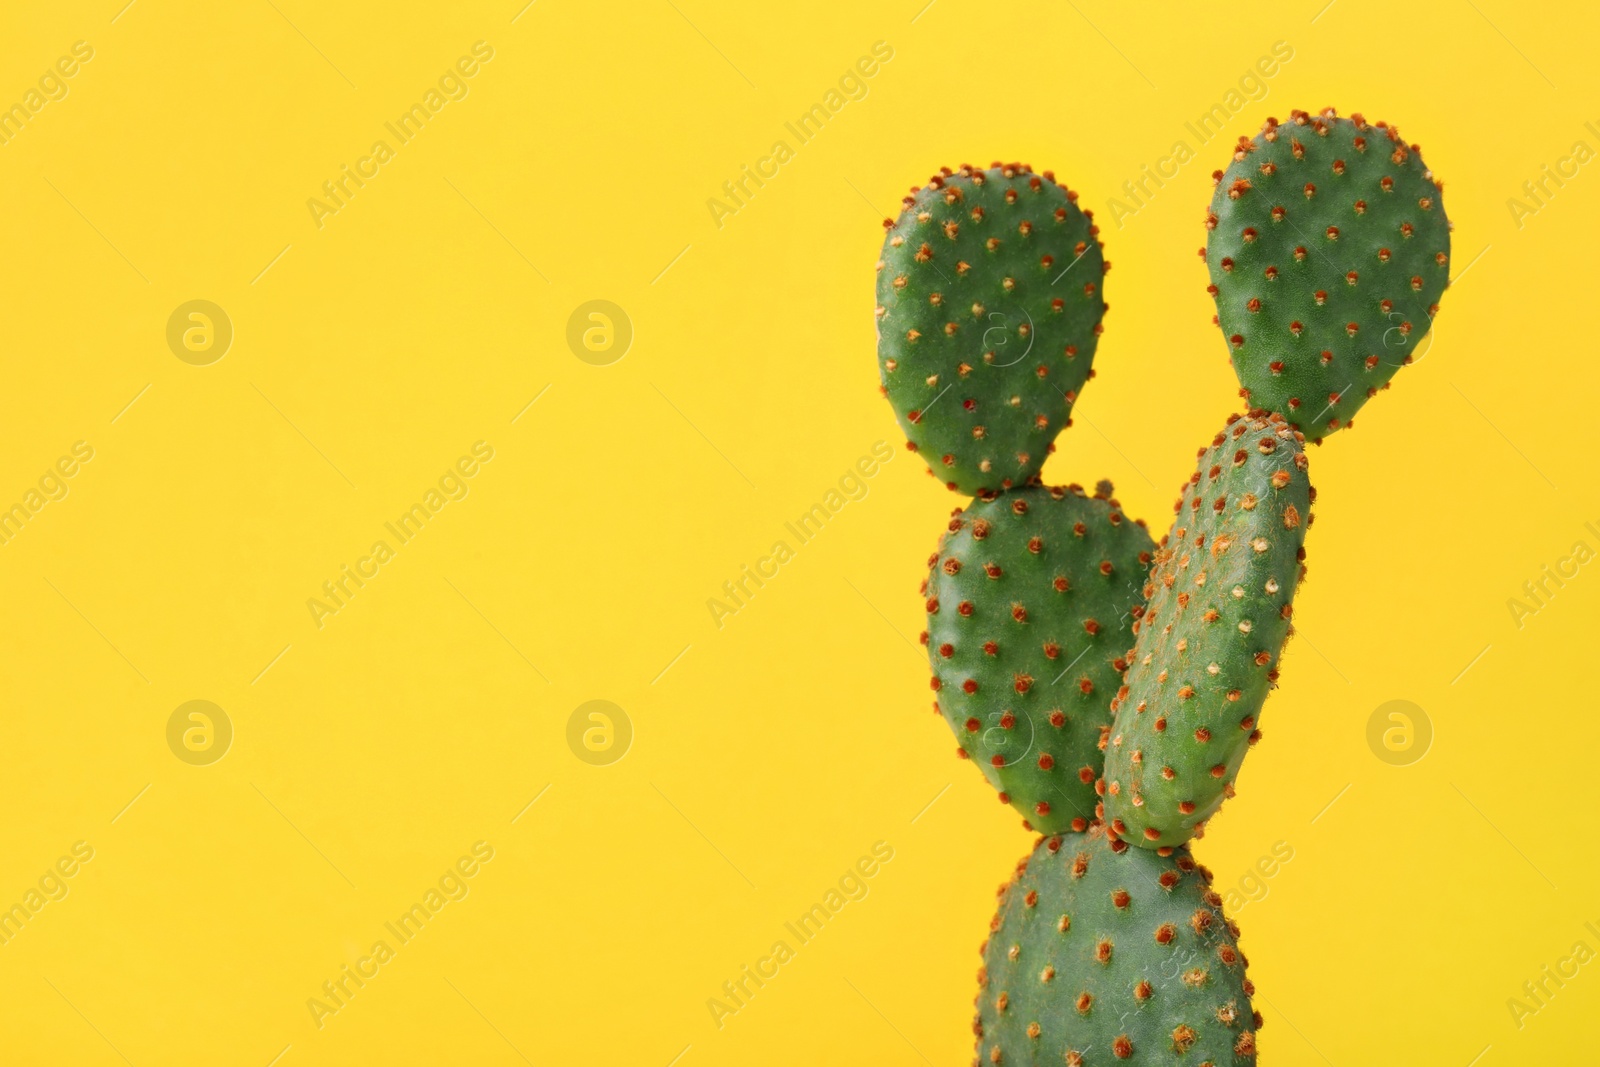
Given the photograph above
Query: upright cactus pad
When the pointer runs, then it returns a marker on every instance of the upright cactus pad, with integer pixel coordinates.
(1208, 644)
(989, 308)
(1328, 252)
(1101, 953)
(1031, 599)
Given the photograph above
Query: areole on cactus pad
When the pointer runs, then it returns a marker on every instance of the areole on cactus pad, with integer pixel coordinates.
(1328, 252)
(989, 308)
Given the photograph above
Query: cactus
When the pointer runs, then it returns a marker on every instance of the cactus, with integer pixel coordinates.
(1101, 953)
(1328, 252)
(989, 309)
(1030, 600)
(1328, 255)
(1208, 644)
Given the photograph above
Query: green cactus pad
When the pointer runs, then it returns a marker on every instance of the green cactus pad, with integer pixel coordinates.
(989, 308)
(1031, 599)
(1328, 254)
(1101, 954)
(1219, 603)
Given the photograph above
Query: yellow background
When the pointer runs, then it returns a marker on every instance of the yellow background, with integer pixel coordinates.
(769, 754)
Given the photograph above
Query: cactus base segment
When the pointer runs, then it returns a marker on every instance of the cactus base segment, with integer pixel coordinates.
(1103, 954)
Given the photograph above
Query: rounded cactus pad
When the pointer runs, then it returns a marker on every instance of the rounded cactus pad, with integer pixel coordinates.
(1206, 655)
(1031, 599)
(1103, 954)
(1328, 252)
(989, 308)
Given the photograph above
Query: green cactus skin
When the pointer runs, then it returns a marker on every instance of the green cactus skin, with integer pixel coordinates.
(1328, 254)
(1219, 604)
(1031, 599)
(1101, 953)
(989, 308)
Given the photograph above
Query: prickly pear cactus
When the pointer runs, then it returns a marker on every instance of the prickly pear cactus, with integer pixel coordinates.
(989, 308)
(1328, 252)
(1031, 599)
(1102, 953)
(1207, 650)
